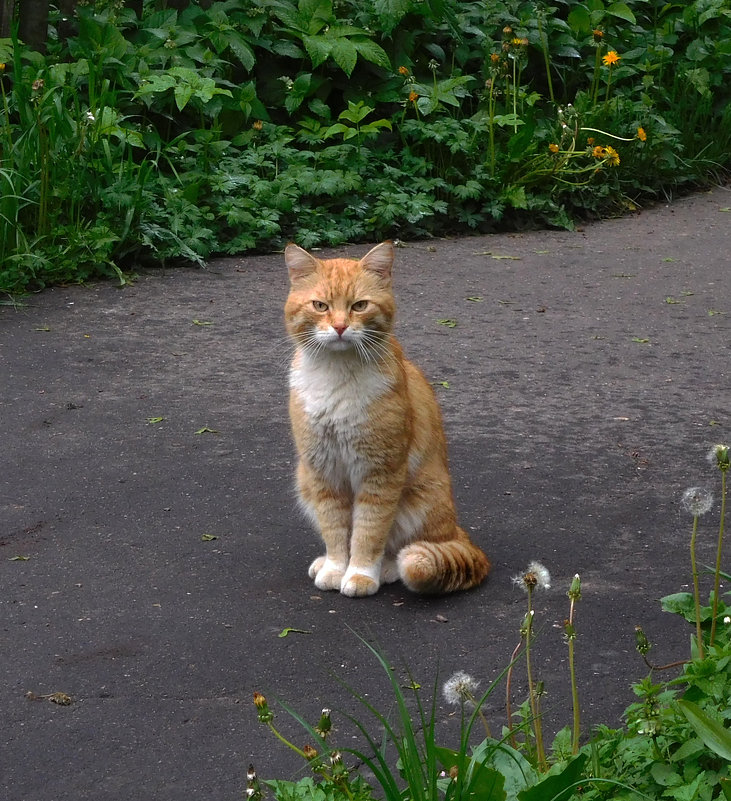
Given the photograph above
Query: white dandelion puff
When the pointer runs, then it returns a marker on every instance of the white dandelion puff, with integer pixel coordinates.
(697, 501)
(460, 688)
(536, 576)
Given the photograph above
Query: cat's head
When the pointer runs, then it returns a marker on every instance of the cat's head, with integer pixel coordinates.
(339, 305)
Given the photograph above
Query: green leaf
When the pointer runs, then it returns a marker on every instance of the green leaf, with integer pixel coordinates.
(154, 420)
(284, 632)
(680, 603)
(206, 430)
(713, 734)
(448, 322)
(202, 322)
(370, 51)
(344, 55)
(580, 19)
(183, 93)
(556, 787)
(19, 559)
(208, 537)
(622, 10)
(318, 49)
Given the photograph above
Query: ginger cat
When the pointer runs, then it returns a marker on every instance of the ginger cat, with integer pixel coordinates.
(372, 472)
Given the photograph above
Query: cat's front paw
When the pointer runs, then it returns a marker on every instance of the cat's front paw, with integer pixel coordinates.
(328, 575)
(359, 582)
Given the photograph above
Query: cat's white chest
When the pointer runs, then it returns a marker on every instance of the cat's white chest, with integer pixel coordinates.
(336, 391)
(336, 396)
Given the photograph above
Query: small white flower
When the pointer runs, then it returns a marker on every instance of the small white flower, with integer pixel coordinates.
(697, 501)
(460, 688)
(90, 117)
(727, 620)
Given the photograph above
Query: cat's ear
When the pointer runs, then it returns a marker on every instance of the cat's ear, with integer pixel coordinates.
(299, 262)
(379, 260)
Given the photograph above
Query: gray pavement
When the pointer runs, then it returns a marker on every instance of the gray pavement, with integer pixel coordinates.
(151, 553)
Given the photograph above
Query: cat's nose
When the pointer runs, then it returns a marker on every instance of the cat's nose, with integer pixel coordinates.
(340, 329)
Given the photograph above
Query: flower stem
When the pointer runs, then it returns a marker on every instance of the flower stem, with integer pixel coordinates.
(508, 683)
(717, 576)
(696, 593)
(532, 698)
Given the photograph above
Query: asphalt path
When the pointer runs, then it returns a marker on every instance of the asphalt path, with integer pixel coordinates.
(153, 564)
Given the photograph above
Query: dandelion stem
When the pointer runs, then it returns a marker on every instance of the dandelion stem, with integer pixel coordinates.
(696, 593)
(286, 742)
(532, 698)
(717, 575)
(508, 683)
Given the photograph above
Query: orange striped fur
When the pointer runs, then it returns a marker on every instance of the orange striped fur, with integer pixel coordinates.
(372, 473)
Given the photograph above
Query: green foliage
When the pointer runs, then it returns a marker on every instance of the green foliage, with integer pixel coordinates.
(676, 743)
(231, 126)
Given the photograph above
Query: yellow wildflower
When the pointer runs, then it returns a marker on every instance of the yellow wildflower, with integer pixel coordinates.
(598, 152)
(403, 70)
(413, 97)
(611, 154)
(2, 67)
(598, 35)
(257, 125)
(494, 57)
(590, 140)
(611, 58)
(553, 148)
(641, 135)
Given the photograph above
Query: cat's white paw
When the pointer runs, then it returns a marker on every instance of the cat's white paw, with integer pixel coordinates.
(359, 582)
(328, 575)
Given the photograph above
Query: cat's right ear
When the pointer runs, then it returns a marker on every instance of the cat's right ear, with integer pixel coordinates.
(299, 262)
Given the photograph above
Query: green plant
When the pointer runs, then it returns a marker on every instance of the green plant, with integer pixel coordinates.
(143, 133)
(676, 744)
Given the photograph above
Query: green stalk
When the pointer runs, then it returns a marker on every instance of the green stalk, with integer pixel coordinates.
(595, 81)
(719, 549)
(491, 108)
(544, 47)
(537, 727)
(696, 593)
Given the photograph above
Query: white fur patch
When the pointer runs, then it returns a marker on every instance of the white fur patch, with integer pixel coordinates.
(336, 391)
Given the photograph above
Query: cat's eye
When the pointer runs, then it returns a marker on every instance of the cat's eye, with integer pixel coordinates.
(318, 305)
(359, 305)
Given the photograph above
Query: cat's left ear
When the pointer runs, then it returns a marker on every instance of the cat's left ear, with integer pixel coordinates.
(379, 260)
(299, 262)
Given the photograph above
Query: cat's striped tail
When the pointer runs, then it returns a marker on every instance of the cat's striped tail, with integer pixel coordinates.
(439, 567)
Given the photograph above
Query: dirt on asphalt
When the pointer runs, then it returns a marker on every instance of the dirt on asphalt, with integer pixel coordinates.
(152, 558)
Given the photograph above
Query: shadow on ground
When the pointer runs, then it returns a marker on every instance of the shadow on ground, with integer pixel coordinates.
(147, 486)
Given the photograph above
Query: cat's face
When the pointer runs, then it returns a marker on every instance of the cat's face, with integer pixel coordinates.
(340, 305)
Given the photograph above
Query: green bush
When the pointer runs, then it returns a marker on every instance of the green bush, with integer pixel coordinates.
(237, 125)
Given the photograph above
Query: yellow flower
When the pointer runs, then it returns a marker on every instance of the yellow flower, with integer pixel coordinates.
(611, 58)
(598, 152)
(641, 135)
(413, 97)
(590, 140)
(2, 67)
(553, 148)
(403, 70)
(611, 154)
(257, 125)
(494, 57)
(598, 35)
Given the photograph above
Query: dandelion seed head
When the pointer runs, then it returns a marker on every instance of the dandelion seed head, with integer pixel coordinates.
(459, 688)
(697, 501)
